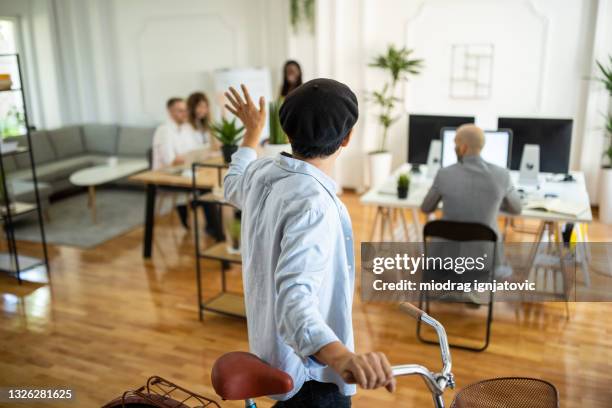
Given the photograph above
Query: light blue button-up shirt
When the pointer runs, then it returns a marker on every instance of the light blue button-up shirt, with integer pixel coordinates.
(298, 263)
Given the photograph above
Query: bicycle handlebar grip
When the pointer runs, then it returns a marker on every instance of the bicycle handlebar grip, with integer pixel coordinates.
(412, 310)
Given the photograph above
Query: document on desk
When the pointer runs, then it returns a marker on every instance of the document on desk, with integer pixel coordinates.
(556, 205)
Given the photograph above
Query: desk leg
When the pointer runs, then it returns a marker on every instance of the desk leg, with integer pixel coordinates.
(92, 202)
(147, 245)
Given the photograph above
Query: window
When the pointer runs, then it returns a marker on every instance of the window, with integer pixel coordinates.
(12, 114)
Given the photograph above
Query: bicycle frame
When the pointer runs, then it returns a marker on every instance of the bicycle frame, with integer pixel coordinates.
(436, 382)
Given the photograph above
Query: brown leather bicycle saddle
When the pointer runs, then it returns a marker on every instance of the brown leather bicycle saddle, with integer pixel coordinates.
(239, 375)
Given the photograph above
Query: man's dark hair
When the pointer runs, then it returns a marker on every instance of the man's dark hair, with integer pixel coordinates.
(318, 116)
(170, 102)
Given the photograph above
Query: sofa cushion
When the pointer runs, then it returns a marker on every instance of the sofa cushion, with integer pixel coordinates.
(67, 141)
(41, 149)
(24, 191)
(101, 138)
(135, 141)
(62, 169)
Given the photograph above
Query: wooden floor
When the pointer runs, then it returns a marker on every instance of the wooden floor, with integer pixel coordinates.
(110, 319)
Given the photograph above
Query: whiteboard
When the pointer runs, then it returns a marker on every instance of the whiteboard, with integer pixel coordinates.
(257, 80)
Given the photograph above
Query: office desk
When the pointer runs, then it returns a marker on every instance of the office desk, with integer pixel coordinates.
(390, 209)
(206, 178)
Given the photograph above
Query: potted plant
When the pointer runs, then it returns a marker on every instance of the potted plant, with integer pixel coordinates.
(605, 181)
(234, 234)
(399, 66)
(229, 134)
(277, 140)
(403, 185)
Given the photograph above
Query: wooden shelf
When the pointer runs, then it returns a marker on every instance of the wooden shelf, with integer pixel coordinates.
(213, 198)
(219, 252)
(216, 162)
(226, 303)
(19, 150)
(17, 208)
(25, 263)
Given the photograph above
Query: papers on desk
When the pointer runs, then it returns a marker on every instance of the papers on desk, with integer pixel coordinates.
(556, 205)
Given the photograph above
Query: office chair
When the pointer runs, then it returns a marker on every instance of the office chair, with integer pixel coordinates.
(458, 232)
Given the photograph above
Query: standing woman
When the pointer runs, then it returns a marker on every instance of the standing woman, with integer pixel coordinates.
(198, 109)
(292, 77)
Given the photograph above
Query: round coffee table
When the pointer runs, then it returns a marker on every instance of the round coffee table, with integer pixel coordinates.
(103, 174)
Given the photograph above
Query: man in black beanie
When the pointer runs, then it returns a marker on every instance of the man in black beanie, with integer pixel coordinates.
(297, 247)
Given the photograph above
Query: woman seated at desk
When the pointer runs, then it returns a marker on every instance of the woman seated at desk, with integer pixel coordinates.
(187, 130)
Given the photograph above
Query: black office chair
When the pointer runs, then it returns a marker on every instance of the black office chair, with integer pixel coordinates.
(458, 232)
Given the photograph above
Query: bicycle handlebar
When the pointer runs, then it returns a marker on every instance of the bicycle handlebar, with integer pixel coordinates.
(412, 310)
(436, 382)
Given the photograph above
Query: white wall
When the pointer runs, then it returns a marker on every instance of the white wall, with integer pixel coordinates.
(540, 60)
(123, 59)
(118, 60)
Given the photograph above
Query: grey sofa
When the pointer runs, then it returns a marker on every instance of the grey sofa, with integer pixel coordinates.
(60, 152)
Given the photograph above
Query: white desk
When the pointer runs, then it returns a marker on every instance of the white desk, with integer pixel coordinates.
(390, 210)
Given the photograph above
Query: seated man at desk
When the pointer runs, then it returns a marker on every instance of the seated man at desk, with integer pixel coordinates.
(472, 190)
(172, 142)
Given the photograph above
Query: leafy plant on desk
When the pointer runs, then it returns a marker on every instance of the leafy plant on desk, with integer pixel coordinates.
(403, 184)
(399, 66)
(229, 134)
(277, 135)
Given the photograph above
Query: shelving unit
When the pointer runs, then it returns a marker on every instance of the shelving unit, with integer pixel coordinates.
(226, 302)
(12, 261)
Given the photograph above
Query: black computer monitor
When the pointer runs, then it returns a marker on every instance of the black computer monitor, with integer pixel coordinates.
(553, 135)
(422, 129)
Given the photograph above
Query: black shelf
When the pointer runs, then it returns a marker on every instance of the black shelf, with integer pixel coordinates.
(226, 303)
(12, 261)
(26, 263)
(19, 150)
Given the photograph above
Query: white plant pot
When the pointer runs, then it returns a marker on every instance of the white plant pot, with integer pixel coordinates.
(380, 168)
(273, 150)
(605, 196)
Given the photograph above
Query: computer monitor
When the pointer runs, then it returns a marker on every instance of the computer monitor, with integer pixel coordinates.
(553, 135)
(422, 129)
(496, 149)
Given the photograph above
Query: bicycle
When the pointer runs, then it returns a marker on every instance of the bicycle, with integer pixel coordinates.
(243, 376)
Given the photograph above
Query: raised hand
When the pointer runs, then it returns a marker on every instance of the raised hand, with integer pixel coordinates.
(252, 117)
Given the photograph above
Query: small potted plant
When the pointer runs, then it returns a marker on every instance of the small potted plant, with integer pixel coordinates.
(229, 134)
(234, 234)
(277, 140)
(403, 184)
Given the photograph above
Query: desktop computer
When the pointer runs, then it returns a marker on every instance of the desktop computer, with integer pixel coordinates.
(554, 136)
(422, 129)
(496, 149)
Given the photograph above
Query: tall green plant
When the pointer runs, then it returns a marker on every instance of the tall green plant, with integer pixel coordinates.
(399, 65)
(606, 74)
(606, 79)
(277, 135)
(608, 151)
(227, 132)
(302, 10)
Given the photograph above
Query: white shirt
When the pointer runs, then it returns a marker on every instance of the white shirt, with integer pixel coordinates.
(171, 140)
(298, 264)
